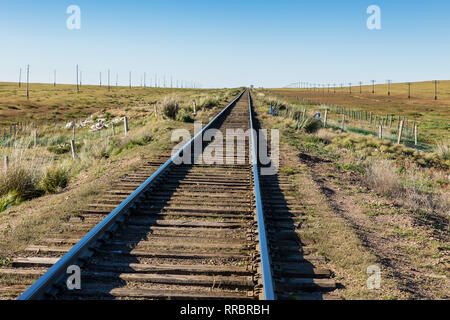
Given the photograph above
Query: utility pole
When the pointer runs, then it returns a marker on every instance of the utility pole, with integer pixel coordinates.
(54, 78)
(28, 82)
(373, 86)
(435, 89)
(78, 85)
(409, 90)
(130, 79)
(360, 87)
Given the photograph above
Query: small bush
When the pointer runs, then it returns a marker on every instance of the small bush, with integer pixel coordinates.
(101, 150)
(208, 103)
(443, 150)
(18, 179)
(309, 125)
(186, 117)
(11, 199)
(381, 176)
(55, 179)
(170, 107)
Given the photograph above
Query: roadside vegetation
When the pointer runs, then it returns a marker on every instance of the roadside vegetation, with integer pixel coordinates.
(374, 202)
(40, 155)
(432, 116)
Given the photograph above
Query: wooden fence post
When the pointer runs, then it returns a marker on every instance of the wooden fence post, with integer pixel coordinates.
(6, 161)
(74, 151)
(326, 118)
(125, 123)
(195, 108)
(416, 134)
(380, 132)
(73, 131)
(343, 123)
(371, 117)
(400, 131)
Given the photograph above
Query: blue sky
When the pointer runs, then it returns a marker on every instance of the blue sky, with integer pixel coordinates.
(227, 43)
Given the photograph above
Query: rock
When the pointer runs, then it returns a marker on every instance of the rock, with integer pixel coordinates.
(70, 125)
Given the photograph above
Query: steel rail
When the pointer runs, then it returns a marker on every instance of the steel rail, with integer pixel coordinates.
(268, 285)
(50, 281)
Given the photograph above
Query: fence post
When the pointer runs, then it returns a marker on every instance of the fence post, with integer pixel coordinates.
(195, 108)
(125, 123)
(35, 137)
(400, 131)
(73, 131)
(380, 132)
(416, 134)
(371, 117)
(326, 118)
(6, 161)
(343, 123)
(74, 152)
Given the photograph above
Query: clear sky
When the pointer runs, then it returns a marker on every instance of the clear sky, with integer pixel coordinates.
(227, 43)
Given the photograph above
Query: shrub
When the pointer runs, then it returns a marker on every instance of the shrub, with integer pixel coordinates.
(208, 103)
(186, 117)
(443, 150)
(381, 176)
(101, 150)
(309, 125)
(55, 179)
(170, 107)
(11, 199)
(19, 179)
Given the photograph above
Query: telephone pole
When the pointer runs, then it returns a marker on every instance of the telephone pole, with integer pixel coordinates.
(435, 89)
(78, 85)
(28, 82)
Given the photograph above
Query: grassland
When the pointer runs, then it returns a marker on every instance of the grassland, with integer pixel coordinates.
(432, 116)
(369, 202)
(43, 164)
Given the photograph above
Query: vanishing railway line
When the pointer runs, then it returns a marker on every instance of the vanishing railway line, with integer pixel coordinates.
(190, 231)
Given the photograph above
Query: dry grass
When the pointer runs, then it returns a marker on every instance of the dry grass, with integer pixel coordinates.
(170, 106)
(382, 177)
(443, 150)
(411, 188)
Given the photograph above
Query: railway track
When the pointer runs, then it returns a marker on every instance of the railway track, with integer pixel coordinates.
(191, 231)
